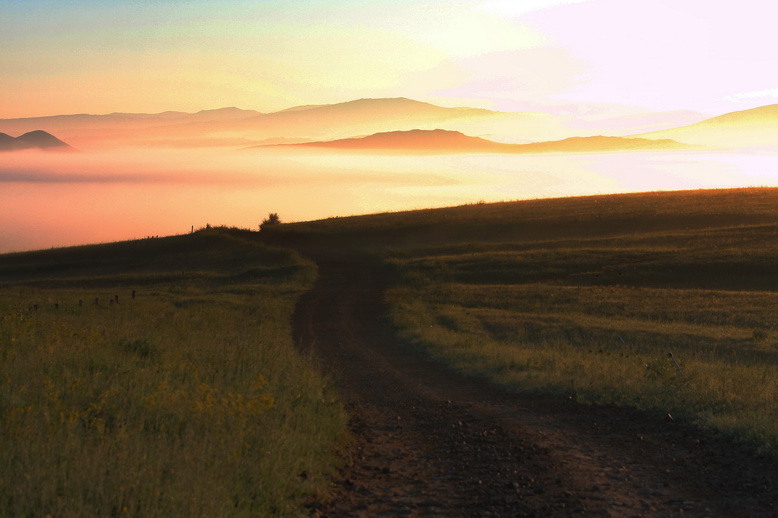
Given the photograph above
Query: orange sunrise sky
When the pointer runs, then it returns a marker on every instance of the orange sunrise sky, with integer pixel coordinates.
(557, 56)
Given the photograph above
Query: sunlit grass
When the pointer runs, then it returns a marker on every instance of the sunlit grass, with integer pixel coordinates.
(587, 297)
(600, 323)
(188, 400)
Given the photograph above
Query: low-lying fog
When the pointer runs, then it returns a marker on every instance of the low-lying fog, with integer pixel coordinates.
(61, 199)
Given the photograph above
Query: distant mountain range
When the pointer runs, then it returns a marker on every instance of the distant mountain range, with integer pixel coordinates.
(452, 142)
(37, 139)
(237, 128)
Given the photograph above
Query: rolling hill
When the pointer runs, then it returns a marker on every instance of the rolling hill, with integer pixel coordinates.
(757, 127)
(444, 142)
(36, 139)
(7, 142)
(417, 140)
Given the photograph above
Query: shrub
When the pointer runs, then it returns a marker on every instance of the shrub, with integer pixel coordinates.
(272, 219)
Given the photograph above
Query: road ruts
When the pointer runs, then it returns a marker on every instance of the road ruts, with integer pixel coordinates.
(430, 442)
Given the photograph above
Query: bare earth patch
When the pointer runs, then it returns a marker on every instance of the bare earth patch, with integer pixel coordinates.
(430, 442)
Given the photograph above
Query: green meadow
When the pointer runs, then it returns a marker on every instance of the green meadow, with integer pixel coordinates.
(188, 399)
(666, 302)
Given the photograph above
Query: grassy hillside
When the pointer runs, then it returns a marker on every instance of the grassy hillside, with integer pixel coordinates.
(186, 399)
(534, 220)
(588, 297)
(190, 399)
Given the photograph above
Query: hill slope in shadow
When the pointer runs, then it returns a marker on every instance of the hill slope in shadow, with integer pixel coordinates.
(37, 139)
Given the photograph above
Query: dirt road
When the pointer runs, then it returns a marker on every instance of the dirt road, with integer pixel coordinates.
(429, 442)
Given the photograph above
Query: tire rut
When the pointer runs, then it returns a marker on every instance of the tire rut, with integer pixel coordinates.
(431, 442)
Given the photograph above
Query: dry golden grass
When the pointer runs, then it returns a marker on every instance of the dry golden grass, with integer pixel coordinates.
(600, 322)
(188, 400)
(588, 297)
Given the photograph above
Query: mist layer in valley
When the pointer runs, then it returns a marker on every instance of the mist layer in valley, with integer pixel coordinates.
(77, 198)
(137, 175)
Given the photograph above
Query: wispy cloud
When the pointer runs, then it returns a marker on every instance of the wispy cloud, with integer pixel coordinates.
(743, 97)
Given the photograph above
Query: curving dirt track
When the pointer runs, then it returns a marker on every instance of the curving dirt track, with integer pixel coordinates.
(430, 442)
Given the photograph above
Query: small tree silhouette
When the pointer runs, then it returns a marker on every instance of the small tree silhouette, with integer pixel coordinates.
(272, 219)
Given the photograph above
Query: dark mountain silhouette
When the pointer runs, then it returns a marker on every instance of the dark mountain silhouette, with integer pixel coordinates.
(37, 139)
(7, 142)
(41, 139)
(444, 141)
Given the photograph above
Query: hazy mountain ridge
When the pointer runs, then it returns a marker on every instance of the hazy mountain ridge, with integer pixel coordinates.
(445, 141)
(302, 123)
(747, 128)
(233, 127)
(37, 139)
(122, 128)
(410, 140)
(343, 120)
(601, 143)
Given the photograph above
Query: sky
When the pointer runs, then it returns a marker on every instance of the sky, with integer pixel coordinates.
(595, 57)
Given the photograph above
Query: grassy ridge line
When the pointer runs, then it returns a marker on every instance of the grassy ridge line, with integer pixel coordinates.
(586, 297)
(534, 220)
(188, 400)
(219, 251)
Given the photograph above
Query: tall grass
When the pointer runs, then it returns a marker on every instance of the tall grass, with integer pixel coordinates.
(188, 400)
(588, 296)
(599, 319)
